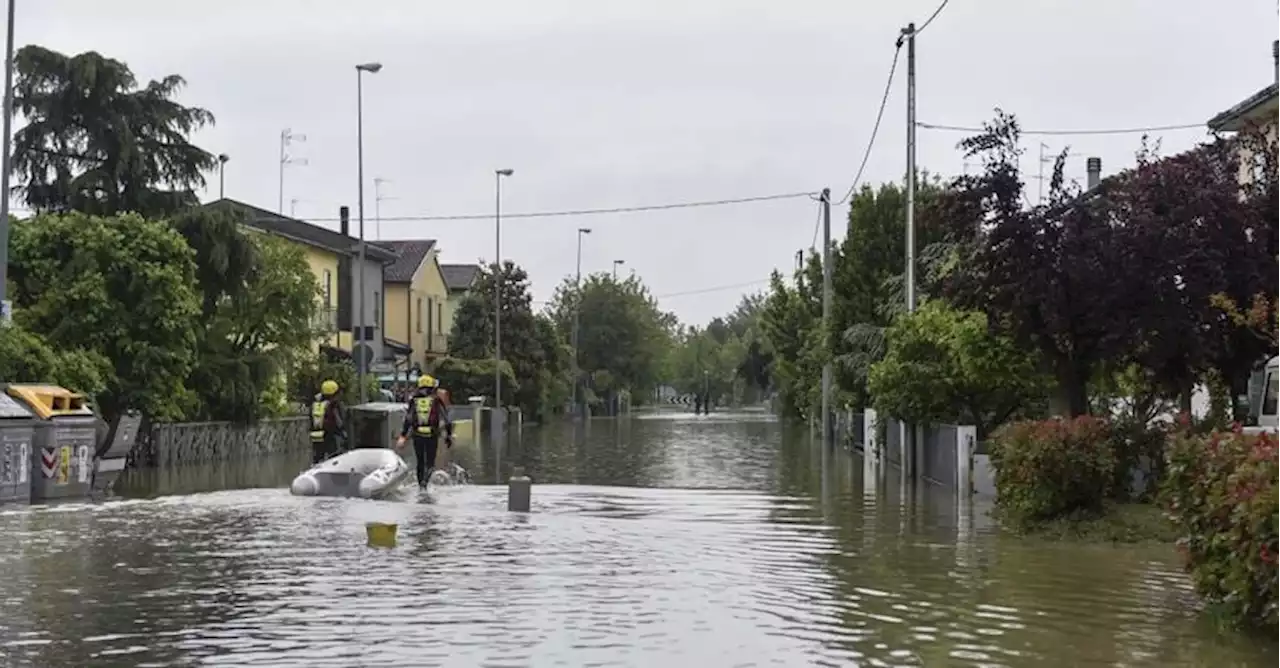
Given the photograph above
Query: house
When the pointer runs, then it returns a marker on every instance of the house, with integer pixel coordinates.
(1258, 110)
(333, 257)
(460, 278)
(415, 301)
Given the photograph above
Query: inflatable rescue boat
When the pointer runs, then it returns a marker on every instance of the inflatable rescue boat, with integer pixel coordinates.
(368, 473)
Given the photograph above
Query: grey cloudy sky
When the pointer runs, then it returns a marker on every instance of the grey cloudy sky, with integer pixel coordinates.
(599, 103)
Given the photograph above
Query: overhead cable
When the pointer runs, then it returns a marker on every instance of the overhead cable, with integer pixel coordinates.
(1105, 131)
(932, 16)
(875, 129)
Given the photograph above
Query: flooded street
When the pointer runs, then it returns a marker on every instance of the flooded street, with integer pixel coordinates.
(666, 540)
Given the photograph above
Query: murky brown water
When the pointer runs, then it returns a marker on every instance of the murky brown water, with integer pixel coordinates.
(741, 554)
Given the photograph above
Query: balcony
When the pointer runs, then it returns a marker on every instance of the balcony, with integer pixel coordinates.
(326, 321)
(436, 344)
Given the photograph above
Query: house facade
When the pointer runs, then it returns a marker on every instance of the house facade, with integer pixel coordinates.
(460, 279)
(1259, 110)
(334, 257)
(416, 301)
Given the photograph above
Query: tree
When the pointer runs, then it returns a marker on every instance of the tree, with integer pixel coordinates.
(1056, 278)
(623, 335)
(535, 357)
(97, 143)
(259, 307)
(943, 365)
(26, 357)
(315, 368)
(121, 286)
(789, 320)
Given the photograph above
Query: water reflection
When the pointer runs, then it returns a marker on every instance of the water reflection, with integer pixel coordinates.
(717, 540)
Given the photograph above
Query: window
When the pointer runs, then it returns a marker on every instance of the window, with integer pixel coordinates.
(377, 310)
(431, 329)
(440, 317)
(327, 277)
(1272, 393)
(419, 315)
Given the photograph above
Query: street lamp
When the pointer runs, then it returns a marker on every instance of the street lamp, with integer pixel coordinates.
(371, 68)
(577, 317)
(222, 174)
(6, 159)
(497, 285)
(616, 263)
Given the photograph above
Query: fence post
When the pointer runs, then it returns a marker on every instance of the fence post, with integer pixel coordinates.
(966, 441)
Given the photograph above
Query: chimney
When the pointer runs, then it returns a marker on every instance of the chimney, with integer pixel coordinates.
(344, 220)
(1093, 167)
(1275, 59)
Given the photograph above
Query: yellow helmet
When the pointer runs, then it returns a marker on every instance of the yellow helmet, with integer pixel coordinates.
(329, 388)
(427, 381)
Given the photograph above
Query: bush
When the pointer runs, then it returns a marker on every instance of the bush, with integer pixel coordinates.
(1053, 468)
(1221, 491)
(465, 378)
(305, 380)
(26, 357)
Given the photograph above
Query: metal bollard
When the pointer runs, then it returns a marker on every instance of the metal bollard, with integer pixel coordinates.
(519, 491)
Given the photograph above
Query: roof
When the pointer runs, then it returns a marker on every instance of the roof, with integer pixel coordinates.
(411, 254)
(460, 276)
(1230, 120)
(302, 231)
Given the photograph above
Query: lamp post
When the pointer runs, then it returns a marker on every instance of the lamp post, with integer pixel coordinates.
(497, 285)
(6, 158)
(361, 363)
(616, 264)
(577, 318)
(222, 174)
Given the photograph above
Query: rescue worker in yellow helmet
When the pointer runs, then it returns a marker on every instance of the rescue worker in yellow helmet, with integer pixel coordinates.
(327, 429)
(426, 418)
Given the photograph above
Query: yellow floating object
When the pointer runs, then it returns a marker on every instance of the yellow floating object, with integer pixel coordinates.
(381, 534)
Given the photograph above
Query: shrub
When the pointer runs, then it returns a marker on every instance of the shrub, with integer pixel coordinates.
(1052, 468)
(1220, 491)
(465, 378)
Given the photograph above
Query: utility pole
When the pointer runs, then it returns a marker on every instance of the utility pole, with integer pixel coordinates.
(826, 316)
(1043, 146)
(286, 138)
(6, 161)
(577, 320)
(497, 292)
(908, 431)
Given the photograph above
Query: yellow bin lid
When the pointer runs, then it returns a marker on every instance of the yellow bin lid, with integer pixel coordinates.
(48, 401)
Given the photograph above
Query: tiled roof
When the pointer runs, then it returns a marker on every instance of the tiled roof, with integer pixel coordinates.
(1229, 119)
(412, 252)
(460, 276)
(302, 231)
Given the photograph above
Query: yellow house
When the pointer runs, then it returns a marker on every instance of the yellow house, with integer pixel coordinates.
(459, 278)
(331, 256)
(416, 301)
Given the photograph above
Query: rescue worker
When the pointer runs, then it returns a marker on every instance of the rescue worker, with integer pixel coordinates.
(427, 416)
(327, 428)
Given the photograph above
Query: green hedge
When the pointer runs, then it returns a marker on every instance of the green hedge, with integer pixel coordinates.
(1221, 493)
(464, 378)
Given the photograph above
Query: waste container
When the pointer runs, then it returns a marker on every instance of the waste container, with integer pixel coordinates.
(16, 427)
(376, 424)
(64, 440)
(113, 453)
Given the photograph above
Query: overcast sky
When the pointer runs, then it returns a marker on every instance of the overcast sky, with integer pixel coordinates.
(599, 103)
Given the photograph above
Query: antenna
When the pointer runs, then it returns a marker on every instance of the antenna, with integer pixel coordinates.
(287, 138)
(378, 198)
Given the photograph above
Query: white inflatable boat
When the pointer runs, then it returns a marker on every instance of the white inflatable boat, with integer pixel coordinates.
(368, 473)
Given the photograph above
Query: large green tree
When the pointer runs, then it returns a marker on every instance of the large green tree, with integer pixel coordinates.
(535, 354)
(624, 336)
(25, 357)
(259, 306)
(123, 287)
(96, 142)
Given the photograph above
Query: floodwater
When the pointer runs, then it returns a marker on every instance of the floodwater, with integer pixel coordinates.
(664, 540)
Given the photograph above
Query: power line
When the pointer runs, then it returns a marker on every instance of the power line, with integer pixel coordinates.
(591, 212)
(1107, 131)
(817, 223)
(719, 288)
(932, 16)
(875, 129)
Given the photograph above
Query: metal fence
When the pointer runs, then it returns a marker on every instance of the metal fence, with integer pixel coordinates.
(182, 444)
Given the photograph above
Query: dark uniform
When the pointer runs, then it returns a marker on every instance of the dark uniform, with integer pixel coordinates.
(427, 416)
(327, 429)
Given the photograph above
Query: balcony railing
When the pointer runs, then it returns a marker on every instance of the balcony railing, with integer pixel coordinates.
(326, 321)
(435, 343)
